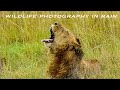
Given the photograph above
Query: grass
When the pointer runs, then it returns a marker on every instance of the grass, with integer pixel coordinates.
(26, 56)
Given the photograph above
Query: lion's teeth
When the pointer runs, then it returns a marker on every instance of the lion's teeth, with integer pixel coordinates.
(47, 40)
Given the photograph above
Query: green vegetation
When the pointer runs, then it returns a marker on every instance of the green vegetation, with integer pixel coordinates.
(26, 56)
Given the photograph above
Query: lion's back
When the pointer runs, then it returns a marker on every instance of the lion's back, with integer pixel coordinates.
(90, 68)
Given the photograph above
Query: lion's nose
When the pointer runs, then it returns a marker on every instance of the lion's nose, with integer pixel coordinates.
(56, 23)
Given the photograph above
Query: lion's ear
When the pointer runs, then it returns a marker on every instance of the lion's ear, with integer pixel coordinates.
(77, 42)
(77, 48)
(79, 51)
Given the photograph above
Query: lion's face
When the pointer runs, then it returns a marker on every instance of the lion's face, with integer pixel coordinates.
(59, 36)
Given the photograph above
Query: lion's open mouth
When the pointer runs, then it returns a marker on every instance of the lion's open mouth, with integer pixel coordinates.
(51, 39)
(52, 34)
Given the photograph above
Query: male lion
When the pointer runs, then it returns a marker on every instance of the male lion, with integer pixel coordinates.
(67, 54)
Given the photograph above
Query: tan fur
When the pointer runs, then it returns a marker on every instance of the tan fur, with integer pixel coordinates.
(90, 69)
(67, 56)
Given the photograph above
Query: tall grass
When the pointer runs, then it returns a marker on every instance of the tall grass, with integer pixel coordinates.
(26, 56)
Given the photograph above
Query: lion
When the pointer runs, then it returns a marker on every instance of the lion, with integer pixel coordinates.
(67, 54)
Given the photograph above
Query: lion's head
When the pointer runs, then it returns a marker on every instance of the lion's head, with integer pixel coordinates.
(62, 39)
